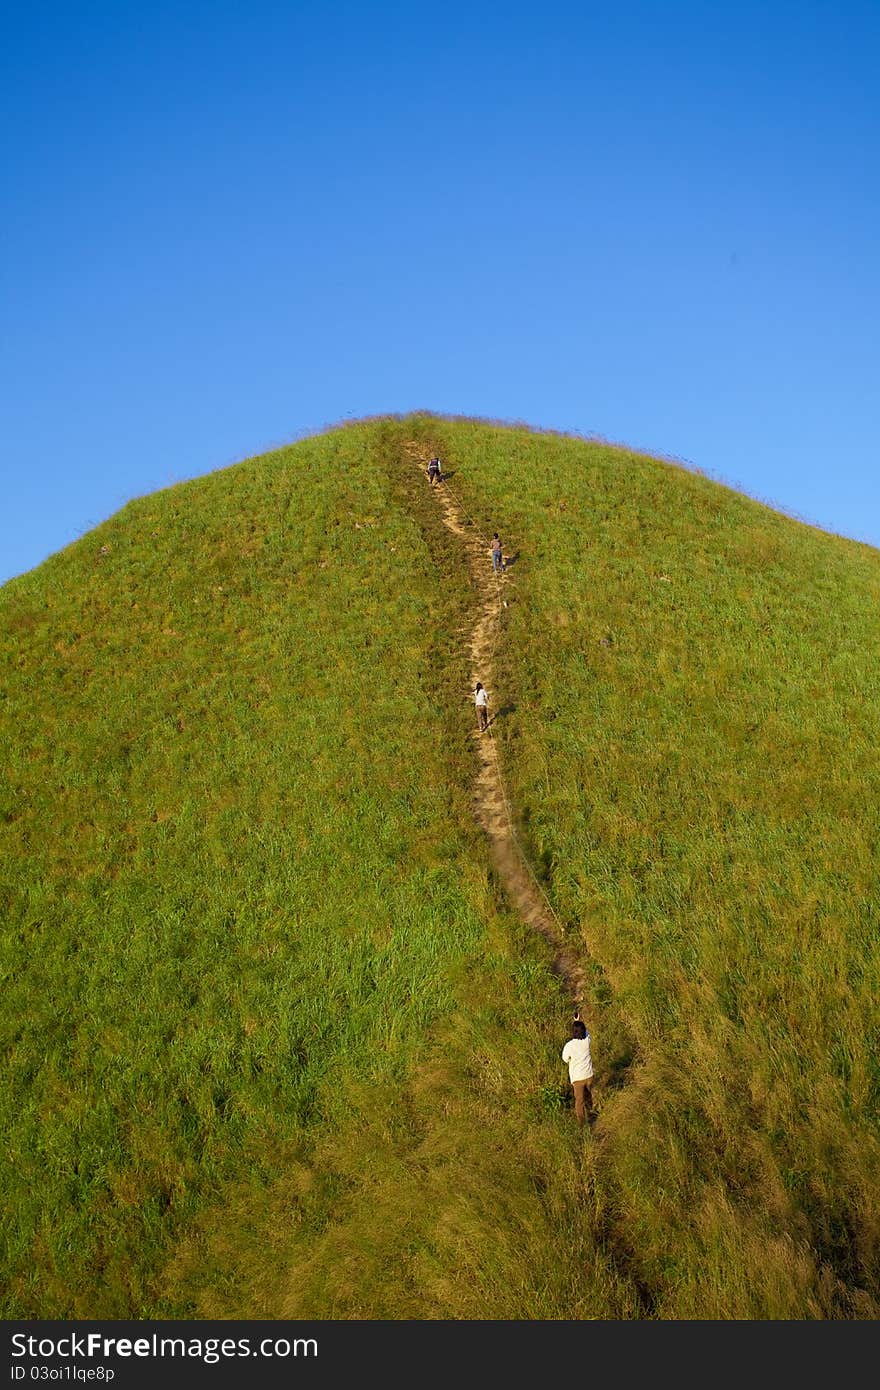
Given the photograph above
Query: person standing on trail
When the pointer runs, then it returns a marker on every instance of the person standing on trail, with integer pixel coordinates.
(481, 700)
(580, 1068)
(434, 471)
(497, 556)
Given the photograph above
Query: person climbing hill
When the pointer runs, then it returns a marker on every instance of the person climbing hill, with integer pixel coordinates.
(497, 555)
(434, 473)
(580, 1068)
(481, 700)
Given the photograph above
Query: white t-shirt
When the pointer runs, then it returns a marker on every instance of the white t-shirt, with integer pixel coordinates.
(481, 697)
(577, 1054)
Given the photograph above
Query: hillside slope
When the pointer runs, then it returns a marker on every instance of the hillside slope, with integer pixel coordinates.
(278, 1044)
(694, 756)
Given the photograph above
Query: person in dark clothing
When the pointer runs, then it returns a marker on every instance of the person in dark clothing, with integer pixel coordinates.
(434, 471)
(497, 556)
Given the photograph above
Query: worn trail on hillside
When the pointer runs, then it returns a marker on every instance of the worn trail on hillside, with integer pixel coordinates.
(491, 801)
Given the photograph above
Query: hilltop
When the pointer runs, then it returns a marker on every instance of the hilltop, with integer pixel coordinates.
(279, 1040)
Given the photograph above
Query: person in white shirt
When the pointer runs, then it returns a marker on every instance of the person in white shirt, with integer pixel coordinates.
(481, 700)
(580, 1068)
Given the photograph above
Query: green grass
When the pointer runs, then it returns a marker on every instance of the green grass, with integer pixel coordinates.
(702, 795)
(229, 867)
(275, 1045)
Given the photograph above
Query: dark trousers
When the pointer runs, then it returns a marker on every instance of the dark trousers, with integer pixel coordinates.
(482, 717)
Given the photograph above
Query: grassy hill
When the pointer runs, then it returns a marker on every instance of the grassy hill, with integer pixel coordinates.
(276, 1044)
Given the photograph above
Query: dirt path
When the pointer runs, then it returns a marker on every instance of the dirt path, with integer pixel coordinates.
(491, 802)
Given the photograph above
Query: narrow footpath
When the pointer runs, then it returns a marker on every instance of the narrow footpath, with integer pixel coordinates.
(491, 802)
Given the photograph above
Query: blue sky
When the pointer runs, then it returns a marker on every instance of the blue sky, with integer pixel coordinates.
(225, 225)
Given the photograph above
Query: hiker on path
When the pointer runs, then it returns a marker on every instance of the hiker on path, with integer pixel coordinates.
(580, 1068)
(434, 471)
(497, 556)
(481, 700)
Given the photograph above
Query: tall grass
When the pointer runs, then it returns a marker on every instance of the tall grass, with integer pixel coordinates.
(232, 874)
(694, 753)
(275, 1044)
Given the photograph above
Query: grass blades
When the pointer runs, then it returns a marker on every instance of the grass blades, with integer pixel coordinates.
(275, 1044)
(692, 753)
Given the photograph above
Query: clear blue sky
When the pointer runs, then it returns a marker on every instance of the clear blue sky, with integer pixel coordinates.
(226, 224)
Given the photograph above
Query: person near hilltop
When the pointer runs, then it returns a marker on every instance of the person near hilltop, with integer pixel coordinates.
(481, 700)
(434, 471)
(497, 556)
(580, 1068)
